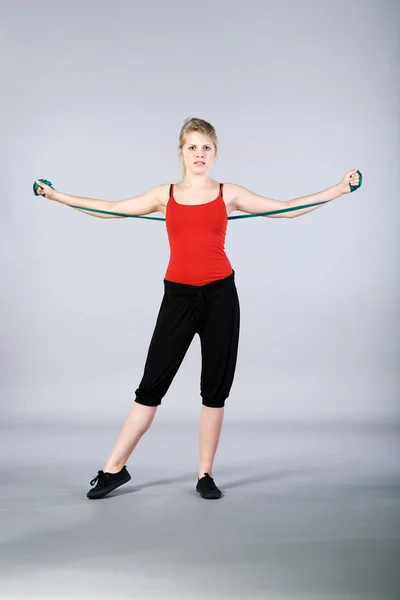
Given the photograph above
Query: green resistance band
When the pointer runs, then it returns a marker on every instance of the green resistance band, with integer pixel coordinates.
(266, 214)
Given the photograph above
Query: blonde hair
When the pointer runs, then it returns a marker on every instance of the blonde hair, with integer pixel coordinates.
(193, 124)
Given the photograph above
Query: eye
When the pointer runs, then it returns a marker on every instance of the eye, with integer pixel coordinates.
(208, 147)
(191, 147)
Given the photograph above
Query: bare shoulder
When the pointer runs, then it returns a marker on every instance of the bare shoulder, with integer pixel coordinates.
(241, 198)
(161, 193)
(153, 200)
(231, 194)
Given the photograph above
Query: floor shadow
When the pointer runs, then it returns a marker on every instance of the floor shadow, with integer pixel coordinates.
(131, 489)
(237, 483)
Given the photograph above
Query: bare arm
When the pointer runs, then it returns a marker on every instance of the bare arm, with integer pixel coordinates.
(249, 202)
(325, 196)
(246, 201)
(146, 203)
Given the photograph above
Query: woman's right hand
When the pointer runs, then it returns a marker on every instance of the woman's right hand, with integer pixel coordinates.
(45, 190)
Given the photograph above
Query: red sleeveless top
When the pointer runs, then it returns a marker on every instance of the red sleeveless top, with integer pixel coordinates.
(196, 234)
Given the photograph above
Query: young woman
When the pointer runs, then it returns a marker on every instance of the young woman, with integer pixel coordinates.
(200, 295)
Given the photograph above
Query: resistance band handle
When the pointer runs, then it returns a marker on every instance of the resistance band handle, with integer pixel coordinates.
(35, 185)
(353, 188)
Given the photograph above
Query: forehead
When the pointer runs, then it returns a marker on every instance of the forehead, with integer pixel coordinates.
(197, 138)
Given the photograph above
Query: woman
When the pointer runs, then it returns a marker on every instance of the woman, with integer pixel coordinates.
(199, 293)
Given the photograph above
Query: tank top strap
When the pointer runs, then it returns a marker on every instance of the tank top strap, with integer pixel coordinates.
(221, 187)
(171, 187)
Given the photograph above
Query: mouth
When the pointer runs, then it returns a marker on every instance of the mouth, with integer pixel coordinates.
(199, 163)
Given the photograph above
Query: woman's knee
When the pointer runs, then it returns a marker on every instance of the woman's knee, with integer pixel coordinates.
(144, 415)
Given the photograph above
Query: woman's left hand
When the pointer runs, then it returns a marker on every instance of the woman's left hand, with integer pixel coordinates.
(351, 178)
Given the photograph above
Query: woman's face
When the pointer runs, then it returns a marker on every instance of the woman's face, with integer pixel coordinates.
(198, 152)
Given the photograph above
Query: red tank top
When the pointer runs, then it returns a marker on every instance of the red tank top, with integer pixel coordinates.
(196, 234)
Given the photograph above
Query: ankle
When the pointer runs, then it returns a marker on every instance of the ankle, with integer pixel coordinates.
(110, 468)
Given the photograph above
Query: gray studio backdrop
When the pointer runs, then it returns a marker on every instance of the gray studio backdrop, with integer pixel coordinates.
(93, 95)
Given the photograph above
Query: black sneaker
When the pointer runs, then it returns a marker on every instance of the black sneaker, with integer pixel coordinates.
(207, 488)
(107, 482)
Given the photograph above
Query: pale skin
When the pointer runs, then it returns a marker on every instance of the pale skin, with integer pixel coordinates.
(196, 187)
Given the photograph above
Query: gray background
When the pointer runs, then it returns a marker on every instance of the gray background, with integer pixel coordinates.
(93, 95)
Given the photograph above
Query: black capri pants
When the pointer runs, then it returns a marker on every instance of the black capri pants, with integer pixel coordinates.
(213, 312)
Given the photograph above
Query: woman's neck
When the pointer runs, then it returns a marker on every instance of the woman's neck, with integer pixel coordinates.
(196, 181)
